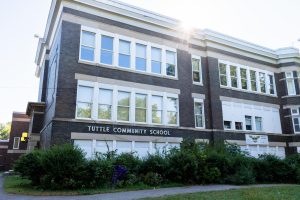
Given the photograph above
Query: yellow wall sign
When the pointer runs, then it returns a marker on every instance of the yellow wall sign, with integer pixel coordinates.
(24, 136)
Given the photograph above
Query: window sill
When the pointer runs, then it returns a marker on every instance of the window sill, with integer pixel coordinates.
(291, 96)
(197, 83)
(126, 69)
(247, 91)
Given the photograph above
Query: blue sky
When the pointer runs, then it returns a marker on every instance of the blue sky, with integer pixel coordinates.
(270, 23)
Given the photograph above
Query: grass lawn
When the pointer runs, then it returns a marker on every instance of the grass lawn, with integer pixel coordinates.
(273, 193)
(17, 185)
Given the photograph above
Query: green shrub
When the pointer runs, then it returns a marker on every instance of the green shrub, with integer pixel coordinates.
(30, 166)
(156, 163)
(128, 160)
(153, 179)
(64, 167)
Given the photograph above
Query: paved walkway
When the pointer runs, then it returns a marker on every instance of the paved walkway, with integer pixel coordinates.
(127, 195)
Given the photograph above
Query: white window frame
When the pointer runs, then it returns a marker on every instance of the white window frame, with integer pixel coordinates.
(200, 70)
(133, 42)
(231, 123)
(91, 85)
(252, 126)
(15, 138)
(294, 127)
(115, 88)
(203, 116)
(290, 78)
(249, 85)
(262, 127)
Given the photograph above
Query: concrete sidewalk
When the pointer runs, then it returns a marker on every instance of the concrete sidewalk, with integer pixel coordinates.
(128, 195)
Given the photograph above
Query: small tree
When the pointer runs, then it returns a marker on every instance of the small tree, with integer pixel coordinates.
(4, 130)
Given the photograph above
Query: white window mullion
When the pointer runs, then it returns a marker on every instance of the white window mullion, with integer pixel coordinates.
(149, 108)
(148, 68)
(163, 62)
(151, 147)
(114, 145)
(93, 148)
(94, 114)
(132, 54)
(257, 81)
(164, 110)
(248, 80)
(239, 80)
(98, 47)
(116, 51)
(267, 82)
(132, 107)
(228, 75)
(114, 104)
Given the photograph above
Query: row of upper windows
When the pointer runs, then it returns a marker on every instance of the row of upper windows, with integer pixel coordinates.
(114, 103)
(246, 78)
(290, 82)
(128, 53)
(248, 124)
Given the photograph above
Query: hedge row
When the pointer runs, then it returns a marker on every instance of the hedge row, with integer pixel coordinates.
(65, 167)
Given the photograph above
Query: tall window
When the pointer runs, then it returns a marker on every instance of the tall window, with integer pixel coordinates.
(171, 63)
(105, 104)
(123, 106)
(233, 76)
(141, 55)
(296, 121)
(84, 102)
(87, 49)
(172, 110)
(271, 84)
(258, 123)
(124, 53)
(198, 111)
(244, 78)
(157, 105)
(223, 75)
(106, 50)
(262, 81)
(253, 80)
(290, 83)
(140, 108)
(196, 70)
(156, 60)
(16, 143)
(248, 122)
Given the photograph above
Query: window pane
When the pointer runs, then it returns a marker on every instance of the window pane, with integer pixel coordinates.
(233, 74)
(156, 67)
(196, 76)
(248, 121)
(104, 146)
(290, 86)
(199, 121)
(227, 124)
(196, 64)
(85, 94)
(140, 64)
(258, 123)
(104, 112)
(198, 108)
(271, 86)
(107, 42)
(171, 58)
(142, 149)
(140, 100)
(141, 50)
(238, 125)
(84, 110)
(86, 146)
(253, 80)
(88, 39)
(106, 57)
(262, 80)
(172, 117)
(297, 124)
(105, 96)
(124, 60)
(170, 70)
(87, 53)
(172, 104)
(156, 54)
(223, 76)
(140, 115)
(123, 113)
(123, 147)
(123, 98)
(156, 102)
(124, 47)
(156, 116)
(244, 78)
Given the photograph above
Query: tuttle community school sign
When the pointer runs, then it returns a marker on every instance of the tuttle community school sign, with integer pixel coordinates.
(110, 129)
